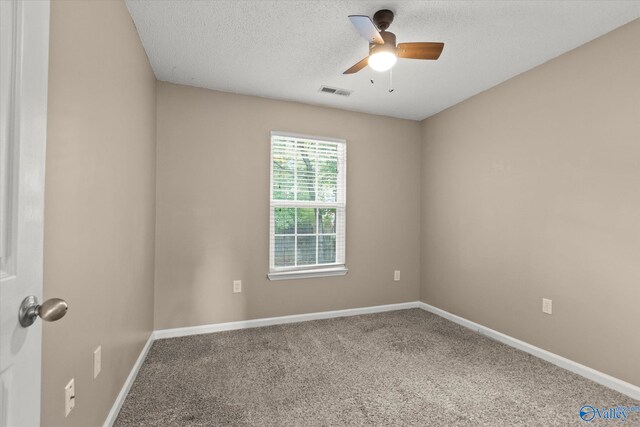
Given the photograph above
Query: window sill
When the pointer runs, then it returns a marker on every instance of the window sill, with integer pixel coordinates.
(305, 274)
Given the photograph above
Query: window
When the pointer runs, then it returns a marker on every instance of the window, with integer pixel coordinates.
(308, 204)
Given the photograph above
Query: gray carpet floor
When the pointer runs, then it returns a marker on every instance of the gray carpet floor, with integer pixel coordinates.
(406, 367)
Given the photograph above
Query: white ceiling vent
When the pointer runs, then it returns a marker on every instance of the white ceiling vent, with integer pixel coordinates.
(335, 91)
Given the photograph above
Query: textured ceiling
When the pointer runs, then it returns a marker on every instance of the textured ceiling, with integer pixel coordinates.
(287, 49)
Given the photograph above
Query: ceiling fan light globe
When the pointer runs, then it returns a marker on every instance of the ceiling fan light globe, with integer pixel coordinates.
(382, 61)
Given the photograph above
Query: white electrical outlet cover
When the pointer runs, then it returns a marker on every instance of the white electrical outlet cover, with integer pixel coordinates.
(396, 275)
(237, 286)
(69, 397)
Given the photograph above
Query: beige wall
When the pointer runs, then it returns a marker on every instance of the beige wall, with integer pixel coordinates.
(213, 208)
(100, 204)
(532, 190)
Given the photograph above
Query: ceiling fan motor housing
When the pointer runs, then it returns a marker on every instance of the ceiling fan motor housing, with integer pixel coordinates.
(388, 46)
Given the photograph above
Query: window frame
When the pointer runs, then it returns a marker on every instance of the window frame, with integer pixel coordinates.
(315, 270)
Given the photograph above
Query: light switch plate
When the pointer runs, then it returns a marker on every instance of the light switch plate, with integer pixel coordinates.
(396, 275)
(547, 306)
(97, 361)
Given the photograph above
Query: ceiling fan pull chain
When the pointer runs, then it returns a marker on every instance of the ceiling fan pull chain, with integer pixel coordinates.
(390, 80)
(371, 69)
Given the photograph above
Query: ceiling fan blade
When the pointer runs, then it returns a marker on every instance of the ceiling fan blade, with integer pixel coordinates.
(419, 50)
(357, 67)
(366, 28)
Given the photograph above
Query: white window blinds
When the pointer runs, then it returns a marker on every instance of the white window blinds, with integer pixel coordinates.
(308, 204)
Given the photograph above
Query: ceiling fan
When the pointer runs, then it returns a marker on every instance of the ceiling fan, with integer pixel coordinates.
(383, 52)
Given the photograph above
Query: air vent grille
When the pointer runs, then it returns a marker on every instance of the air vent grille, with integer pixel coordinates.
(335, 91)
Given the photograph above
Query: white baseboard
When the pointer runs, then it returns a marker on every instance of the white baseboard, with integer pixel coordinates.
(616, 384)
(295, 318)
(115, 409)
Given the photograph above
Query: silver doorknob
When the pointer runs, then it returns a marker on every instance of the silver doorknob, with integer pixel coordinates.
(51, 310)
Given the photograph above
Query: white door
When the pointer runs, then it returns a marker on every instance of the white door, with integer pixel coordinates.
(24, 46)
